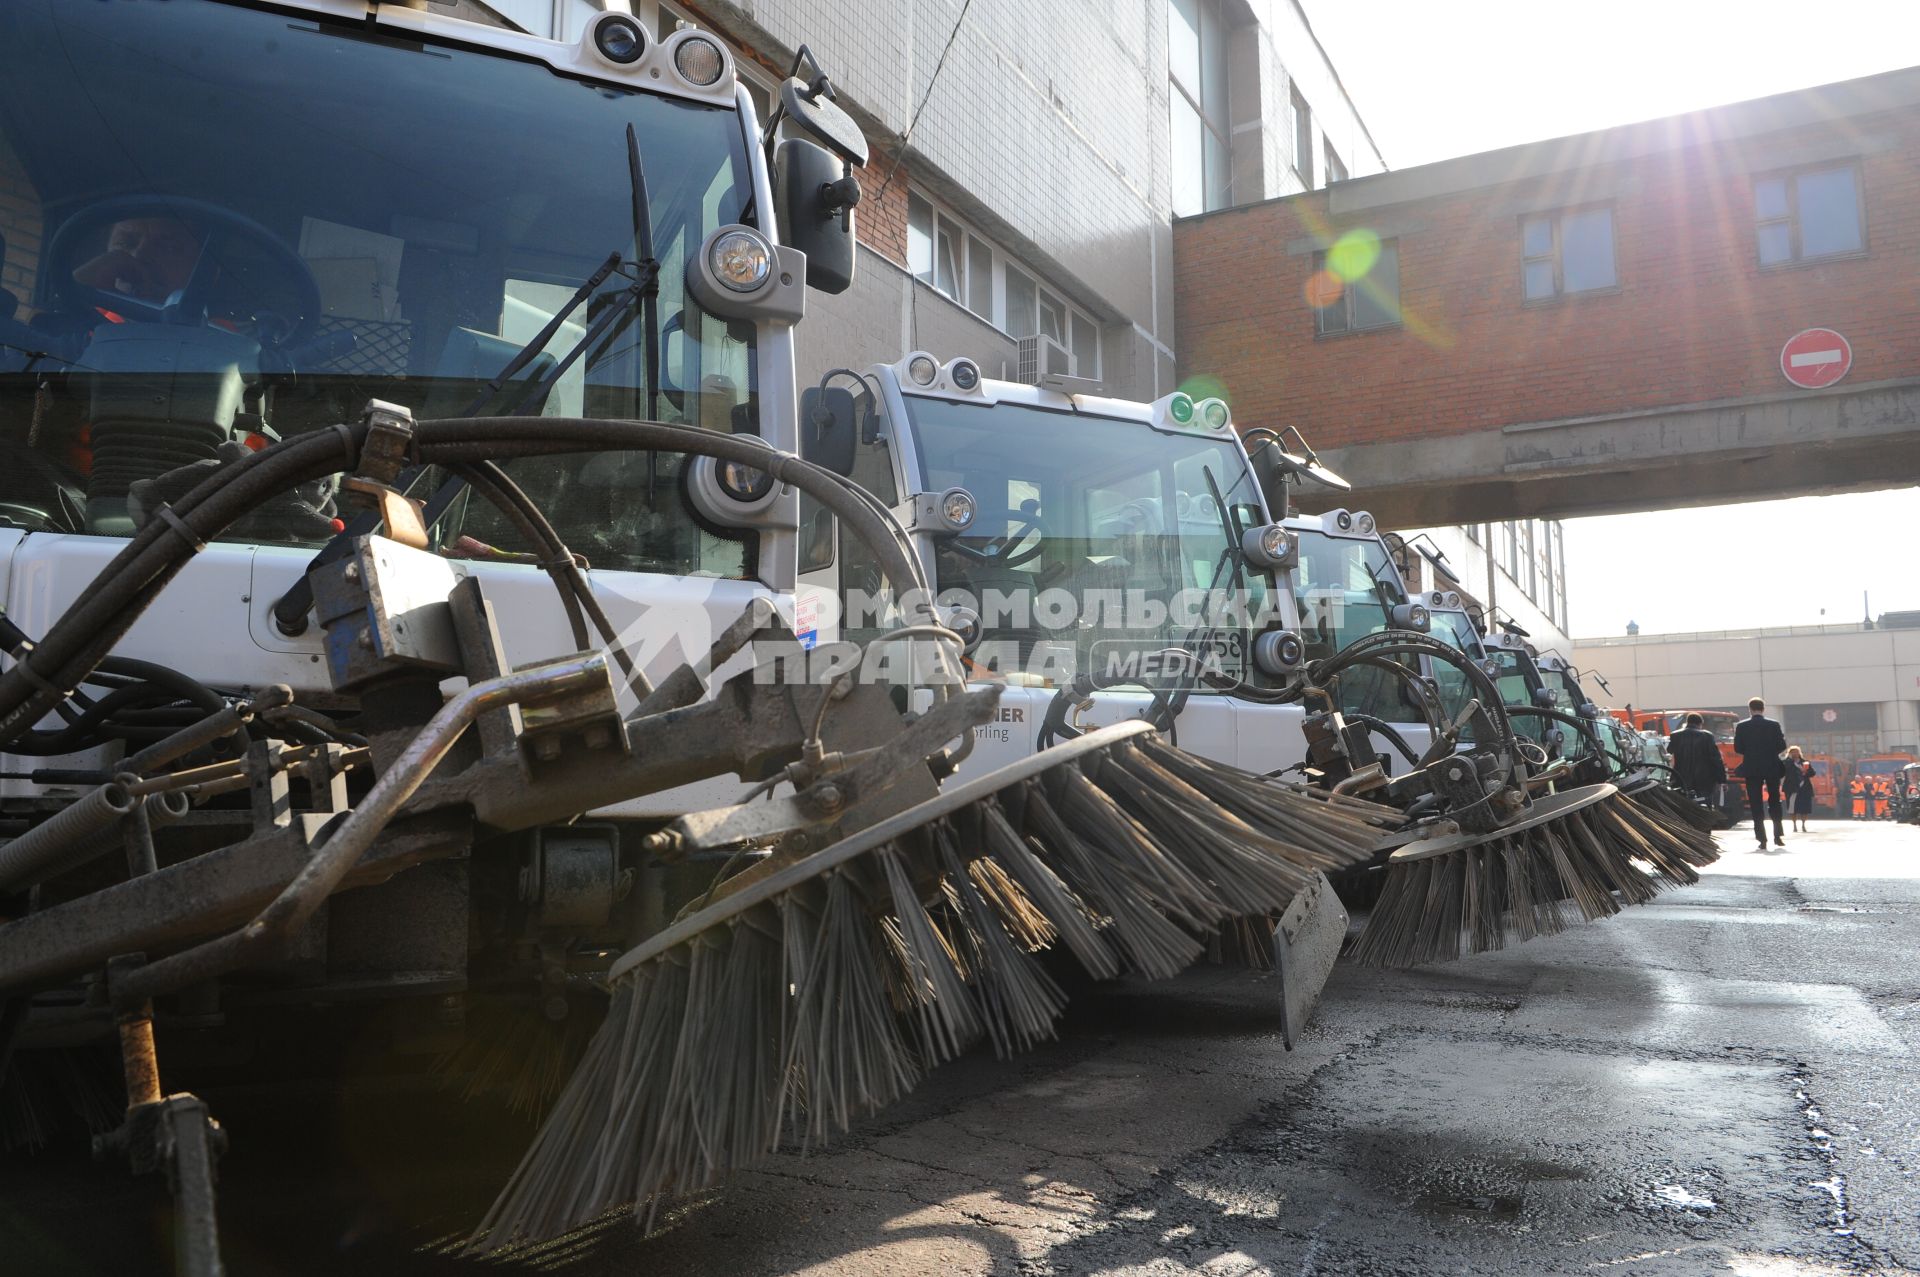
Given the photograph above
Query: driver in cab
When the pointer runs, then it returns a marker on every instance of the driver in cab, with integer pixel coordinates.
(147, 258)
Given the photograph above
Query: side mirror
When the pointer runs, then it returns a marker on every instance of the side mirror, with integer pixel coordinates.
(813, 201)
(829, 419)
(817, 114)
(1271, 473)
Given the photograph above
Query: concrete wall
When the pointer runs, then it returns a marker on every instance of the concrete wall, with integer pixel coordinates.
(1810, 666)
(1047, 129)
(1481, 405)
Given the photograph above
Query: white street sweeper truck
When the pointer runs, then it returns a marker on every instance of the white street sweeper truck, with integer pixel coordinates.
(412, 584)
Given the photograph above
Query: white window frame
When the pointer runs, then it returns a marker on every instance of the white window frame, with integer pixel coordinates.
(965, 235)
(1209, 17)
(1300, 116)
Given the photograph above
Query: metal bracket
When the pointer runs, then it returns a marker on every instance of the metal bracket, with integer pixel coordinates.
(177, 1136)
(401, 515)
(383, 457)
(811, 817)
(389, 441)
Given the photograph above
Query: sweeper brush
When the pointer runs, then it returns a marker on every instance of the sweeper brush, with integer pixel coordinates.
(809, 995)
(1575, 857)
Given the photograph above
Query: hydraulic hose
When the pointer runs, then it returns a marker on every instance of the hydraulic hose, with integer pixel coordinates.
(537, 532)
(80, 641)
(576, 595)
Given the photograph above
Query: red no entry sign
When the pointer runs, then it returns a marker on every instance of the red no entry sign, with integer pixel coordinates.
(1815, 357)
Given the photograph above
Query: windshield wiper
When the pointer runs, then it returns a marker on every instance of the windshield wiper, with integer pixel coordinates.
(290, 611)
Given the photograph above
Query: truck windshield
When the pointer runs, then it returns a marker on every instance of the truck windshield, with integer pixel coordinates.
(224, 226)
(1516, 680)
(1720, 724)
(1456, 631)
(1102, 534)
(1347, 587)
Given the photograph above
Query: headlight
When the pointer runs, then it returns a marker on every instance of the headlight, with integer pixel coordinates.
(964, 374)
(699, 60)
(1453, 598)
(957, 509)
(1214, 414)
(1363, 524)
(921, 370)
(1270, 546)
(1180, 408)
(619, 39)
(1278, 651)
(741, 260)
(1410, 616)
(1343, 521)
(743, 482)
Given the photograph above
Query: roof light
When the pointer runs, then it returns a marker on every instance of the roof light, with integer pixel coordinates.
(619, 39)
(1213, 412)
(1363, 524)
(1343, 521)
(921, 369)
(964, 374)
(1180, 408)
(698, 59)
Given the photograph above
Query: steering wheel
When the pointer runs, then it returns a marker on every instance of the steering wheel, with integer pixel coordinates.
(233, 251)
(1022, 545)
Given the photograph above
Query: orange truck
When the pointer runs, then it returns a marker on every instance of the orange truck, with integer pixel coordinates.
(1830, 777)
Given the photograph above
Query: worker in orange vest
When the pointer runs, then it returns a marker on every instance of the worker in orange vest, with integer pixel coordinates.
(1859, 791)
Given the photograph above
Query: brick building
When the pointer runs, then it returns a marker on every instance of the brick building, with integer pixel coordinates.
(1588, 324)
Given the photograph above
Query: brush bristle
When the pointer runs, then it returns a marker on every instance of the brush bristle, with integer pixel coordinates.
(1515, 886)
(799, 1015)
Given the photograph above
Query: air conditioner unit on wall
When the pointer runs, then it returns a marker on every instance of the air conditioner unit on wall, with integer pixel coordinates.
(1040, 356)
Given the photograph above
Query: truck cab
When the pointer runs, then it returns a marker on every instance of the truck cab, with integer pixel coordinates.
(1074, 536)
(1107, 541)
(499, 223)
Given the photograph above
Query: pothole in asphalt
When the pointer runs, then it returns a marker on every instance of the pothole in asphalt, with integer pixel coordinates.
(1498, 1208)
(1487, 1189)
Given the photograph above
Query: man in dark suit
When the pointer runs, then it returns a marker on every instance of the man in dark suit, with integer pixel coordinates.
(1697, 765)
(1760, 742)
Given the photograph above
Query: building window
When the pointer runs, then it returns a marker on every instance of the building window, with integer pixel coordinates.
(1801, 216)
(1336, 171)
(1372, 301)
(1473, 533)
(1302, 138)
(948, 255)
(1202, 171)
(1568, 252)
(1510, 549)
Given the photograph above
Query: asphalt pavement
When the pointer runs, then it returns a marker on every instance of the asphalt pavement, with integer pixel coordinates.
(1719, 1082)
